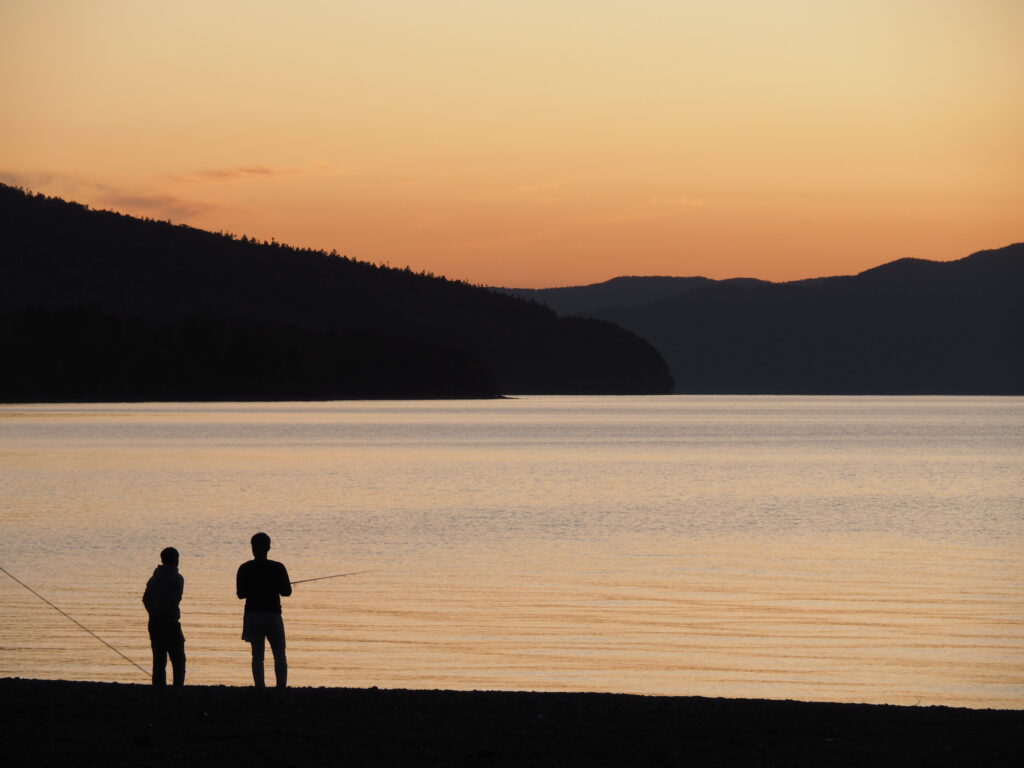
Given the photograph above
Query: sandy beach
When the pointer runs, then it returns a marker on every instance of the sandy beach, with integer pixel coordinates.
(82, 724)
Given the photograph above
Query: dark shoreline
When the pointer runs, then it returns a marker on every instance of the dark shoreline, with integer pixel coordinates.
(261, 402)
(81, 724)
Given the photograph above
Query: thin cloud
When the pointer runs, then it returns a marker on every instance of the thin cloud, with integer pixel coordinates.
(241, 172)
(233, 173)
(82, 189)
(159, 206)
(31, 180)
(52, 182)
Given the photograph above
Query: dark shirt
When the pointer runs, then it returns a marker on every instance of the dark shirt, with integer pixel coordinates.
(163, 593)
(262, 583)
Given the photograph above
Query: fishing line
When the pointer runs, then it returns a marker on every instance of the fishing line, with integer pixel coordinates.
(335, 576)
(72, 618)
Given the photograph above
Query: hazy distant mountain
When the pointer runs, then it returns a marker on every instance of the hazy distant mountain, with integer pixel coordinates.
(95, 305)
(908, 327)
(618, 292)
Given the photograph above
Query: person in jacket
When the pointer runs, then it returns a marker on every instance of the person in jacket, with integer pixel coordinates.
(262, 583)
(162, 598)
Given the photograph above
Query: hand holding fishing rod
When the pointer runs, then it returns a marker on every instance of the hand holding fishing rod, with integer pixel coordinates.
(162, 599)
(163, 594)
(262, 582)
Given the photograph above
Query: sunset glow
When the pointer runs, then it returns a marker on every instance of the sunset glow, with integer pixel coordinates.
(535, 144)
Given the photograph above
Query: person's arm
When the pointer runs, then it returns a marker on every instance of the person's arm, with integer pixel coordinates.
(163, 597)
(286, 584)
(241, 583)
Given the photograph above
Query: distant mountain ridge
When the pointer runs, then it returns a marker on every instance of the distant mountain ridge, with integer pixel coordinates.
(624, 291)
(911, 326)
(96, 305)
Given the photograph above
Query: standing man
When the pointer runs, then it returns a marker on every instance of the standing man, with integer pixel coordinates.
(262, 583)
(161, 598)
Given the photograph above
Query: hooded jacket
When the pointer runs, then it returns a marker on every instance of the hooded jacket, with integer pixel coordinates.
(163, 593)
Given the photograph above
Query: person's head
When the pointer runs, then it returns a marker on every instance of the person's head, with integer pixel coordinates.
(260, 544)
(169, 556)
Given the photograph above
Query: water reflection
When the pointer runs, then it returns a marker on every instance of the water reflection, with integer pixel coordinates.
(852, 549)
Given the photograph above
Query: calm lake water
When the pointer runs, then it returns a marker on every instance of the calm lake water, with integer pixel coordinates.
(819, 548)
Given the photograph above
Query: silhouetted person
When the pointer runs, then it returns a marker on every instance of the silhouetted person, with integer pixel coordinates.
(161, 598)
(262, 583)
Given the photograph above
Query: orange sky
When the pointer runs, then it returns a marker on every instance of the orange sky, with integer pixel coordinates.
(535, 143)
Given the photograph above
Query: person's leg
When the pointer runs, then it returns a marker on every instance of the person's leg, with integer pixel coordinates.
(258, 651)
(156, 642)
(275, 634)
(176, 650)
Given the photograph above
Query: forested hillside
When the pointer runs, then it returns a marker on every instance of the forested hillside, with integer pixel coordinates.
(95, 305)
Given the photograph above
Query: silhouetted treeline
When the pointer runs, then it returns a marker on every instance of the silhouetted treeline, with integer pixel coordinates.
(908, 327)
(236, 316)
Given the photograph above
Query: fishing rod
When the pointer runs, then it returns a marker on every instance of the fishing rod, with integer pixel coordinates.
(73, 619)
(335, 576)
